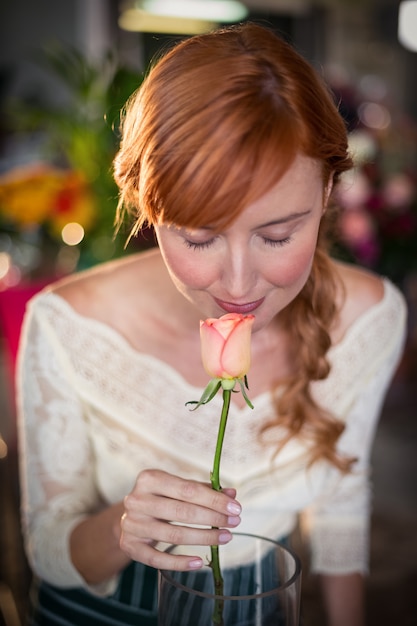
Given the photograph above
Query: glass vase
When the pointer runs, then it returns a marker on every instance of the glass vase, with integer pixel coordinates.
(262, 586)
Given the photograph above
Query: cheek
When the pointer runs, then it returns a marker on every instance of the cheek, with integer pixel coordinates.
(293, 268)
(188, 270)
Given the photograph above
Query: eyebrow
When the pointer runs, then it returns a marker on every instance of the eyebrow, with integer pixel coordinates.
(284, 220)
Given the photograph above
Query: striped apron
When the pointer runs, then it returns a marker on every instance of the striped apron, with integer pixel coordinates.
(133, 603)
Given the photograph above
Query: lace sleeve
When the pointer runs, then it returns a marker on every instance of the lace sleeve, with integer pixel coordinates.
(339, 523)
(56, 460)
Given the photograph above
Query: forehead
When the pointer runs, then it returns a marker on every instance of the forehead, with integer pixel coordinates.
(303, 168)
(300, 188)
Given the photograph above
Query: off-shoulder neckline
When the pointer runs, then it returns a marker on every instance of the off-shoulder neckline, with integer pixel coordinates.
(359, 322)
(108, 331)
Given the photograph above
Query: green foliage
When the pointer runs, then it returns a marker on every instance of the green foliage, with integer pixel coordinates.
(83, 133)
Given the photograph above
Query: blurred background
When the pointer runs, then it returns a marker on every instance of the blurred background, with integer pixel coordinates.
(66, 68)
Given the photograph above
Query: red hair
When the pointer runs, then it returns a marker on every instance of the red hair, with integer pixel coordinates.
(216, 123)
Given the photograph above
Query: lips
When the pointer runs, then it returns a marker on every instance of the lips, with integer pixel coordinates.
(233, 307)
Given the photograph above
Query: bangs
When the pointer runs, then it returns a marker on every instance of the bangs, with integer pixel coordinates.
(223, 180)
(216, 124)
(230, 157)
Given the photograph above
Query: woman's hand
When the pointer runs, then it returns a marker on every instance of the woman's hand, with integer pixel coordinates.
(157, 500)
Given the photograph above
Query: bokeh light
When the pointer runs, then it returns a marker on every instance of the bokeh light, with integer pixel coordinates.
(72, 234)
(5, 263)
(374, 115)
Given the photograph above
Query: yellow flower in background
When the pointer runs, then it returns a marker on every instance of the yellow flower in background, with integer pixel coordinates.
(42, 195)
(74, 202)
(27, 194)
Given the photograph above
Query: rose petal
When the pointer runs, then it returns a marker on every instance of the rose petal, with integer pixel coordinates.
(235, 358)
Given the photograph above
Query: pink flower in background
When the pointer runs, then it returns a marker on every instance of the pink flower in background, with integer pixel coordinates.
(358, 232)
(356, 226)
(377, 224)
(398, 192)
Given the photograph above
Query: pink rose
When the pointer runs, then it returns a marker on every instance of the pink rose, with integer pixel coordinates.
(225, 345)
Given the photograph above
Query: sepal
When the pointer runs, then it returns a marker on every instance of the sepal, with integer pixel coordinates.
(208, 393)
(243, 386)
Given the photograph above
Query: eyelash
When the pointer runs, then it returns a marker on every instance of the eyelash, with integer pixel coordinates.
(198, 246)
(274, 243)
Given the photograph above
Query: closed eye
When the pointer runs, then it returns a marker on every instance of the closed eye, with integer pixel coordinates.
(275, 243)
(199, 245)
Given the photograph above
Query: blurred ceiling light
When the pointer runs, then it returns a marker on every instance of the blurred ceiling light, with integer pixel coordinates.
(182, 16)
(136, 20)
(211, 10)
(407, 24)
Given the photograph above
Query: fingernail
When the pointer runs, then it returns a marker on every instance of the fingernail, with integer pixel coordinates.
(195, 564)
(233, 521)
(225, 537)
(234, 508)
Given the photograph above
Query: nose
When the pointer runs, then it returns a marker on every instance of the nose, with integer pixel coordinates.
(239, 273)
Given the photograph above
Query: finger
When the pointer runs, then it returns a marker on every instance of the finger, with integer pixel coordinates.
(161, 483)
(176, 534)
(163, 560)
(143, 550)
(178, 511)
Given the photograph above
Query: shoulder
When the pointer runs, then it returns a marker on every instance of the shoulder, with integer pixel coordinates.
(98, 291)
(361, 291)
(368, 339)
(130, 296)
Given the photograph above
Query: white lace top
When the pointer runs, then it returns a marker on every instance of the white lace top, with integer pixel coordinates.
(93, 413)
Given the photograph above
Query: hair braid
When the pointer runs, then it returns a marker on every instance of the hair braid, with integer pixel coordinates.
(308, 320)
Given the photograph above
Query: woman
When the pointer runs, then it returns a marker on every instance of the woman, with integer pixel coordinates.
(231, 150)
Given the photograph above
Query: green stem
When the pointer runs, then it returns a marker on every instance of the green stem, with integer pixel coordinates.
(215, 474)
(215, 483)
